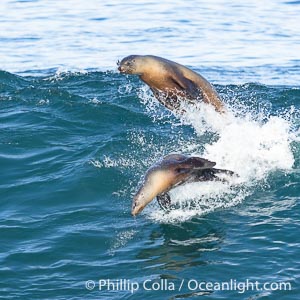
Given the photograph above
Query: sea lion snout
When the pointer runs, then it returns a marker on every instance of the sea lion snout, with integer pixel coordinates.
(128, 65)
(120, 66)
(137, 207)
(125, 69)
(120, 69)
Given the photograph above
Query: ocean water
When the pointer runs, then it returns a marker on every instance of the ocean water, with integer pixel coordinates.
(76, 138)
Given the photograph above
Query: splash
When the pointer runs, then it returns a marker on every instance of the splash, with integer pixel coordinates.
(248, 146)
(63, 73)
(121, 240)
(252, 145)
(108, 162)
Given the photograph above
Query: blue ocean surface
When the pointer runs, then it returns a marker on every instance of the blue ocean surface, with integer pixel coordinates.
(76, 138)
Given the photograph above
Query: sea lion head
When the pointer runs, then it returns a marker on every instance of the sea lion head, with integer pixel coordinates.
(171, 171)
(130, 65)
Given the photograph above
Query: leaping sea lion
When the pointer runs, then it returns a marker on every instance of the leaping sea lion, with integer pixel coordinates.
(170, 81)
(171, 171)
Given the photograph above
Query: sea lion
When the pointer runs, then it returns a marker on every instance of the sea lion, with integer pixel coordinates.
(171, 171)
(170, 82)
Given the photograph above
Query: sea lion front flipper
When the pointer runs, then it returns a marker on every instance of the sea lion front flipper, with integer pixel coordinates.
(227, 172)
(164, 201)
(196, 163)
(186, 85)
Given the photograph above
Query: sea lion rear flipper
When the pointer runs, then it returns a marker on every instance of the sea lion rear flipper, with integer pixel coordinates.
(227, 172)
(211, 175)
(164, 201)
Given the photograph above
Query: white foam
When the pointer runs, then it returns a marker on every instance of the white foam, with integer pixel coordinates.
(121, 240)
(252, 149)
(253, 146)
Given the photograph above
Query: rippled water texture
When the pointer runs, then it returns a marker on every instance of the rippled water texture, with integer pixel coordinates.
(259, 38)
(76, 138)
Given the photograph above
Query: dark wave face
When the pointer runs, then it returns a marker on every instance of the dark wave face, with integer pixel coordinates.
(73, 148)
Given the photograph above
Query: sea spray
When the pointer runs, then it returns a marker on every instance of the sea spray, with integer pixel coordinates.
(249, 139)
(252, 145)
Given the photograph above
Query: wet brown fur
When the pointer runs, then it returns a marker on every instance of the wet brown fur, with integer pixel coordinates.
(170, 81)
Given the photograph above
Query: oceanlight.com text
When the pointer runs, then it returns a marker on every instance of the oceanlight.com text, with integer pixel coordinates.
(194, 285)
